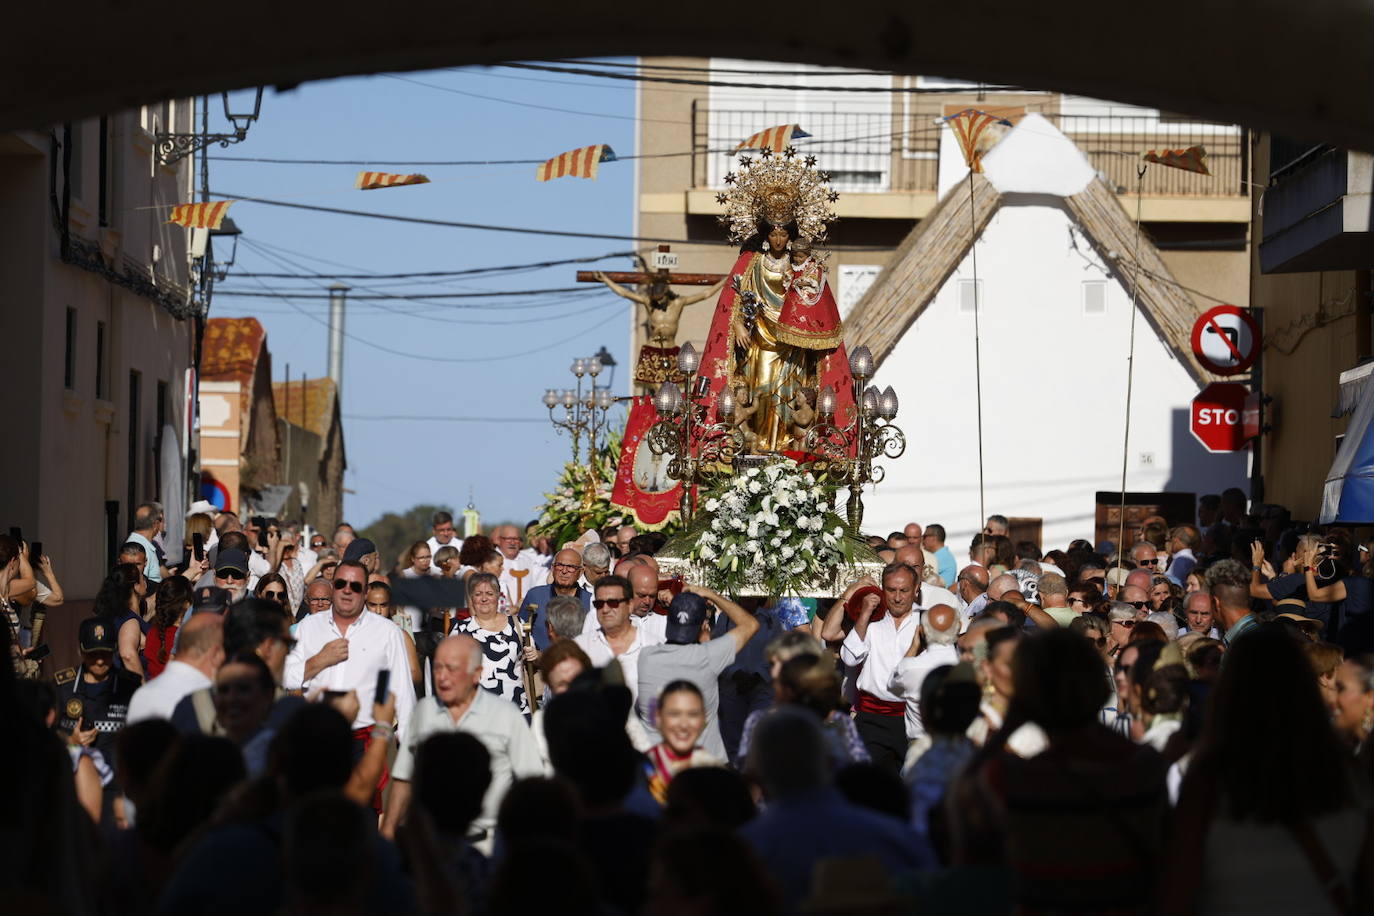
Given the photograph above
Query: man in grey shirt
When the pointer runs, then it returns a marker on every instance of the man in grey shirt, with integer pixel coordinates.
(685, 657)
(460, 705)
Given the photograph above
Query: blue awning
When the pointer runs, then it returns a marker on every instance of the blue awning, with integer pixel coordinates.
(1348, 497)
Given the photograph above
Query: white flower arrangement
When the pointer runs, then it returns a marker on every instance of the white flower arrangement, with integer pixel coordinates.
(770, 527)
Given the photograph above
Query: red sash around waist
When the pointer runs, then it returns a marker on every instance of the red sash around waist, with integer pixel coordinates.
(878, 706)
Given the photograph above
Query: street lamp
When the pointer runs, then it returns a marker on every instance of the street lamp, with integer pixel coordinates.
(846, 453)
(172, 147)
(584, 408)
(699, 450)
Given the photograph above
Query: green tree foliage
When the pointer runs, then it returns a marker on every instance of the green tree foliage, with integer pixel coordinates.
(393, 533)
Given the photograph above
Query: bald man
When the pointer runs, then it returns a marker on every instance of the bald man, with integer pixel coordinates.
(1140, 578)
(460, 705)
(1137, 598)
(932, 647)
(563, 575)
(1004, 583)
(927, 594)
(972, 587)
(643, 604)
(515, 558)
(200, 652)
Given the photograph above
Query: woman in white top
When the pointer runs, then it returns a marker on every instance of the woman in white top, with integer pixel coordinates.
(1271, 797)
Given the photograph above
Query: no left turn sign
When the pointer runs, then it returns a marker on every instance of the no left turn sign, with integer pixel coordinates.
(1226, 340)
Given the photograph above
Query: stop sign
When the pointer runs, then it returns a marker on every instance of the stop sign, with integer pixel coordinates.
(1217, 418)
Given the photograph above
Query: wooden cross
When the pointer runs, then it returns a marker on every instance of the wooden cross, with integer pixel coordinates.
(662, 274)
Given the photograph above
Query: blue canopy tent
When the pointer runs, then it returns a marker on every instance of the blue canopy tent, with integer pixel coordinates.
(1348, 497)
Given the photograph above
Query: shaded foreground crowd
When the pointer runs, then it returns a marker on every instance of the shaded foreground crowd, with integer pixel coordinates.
(272, 724)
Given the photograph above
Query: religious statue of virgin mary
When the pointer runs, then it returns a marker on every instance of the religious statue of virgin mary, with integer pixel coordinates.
(776, 336)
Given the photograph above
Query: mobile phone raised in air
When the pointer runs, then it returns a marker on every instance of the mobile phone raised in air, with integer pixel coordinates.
(383, 686)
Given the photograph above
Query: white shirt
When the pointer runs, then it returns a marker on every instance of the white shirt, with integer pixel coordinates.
(910, 674)
(878, 651)
(157, 698)
(374, 644)
(434, 545)
(493, 721)
(538, 575)
(653, 627)
(601, 653)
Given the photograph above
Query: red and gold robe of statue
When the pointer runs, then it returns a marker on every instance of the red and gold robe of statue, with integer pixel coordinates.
(796, 333)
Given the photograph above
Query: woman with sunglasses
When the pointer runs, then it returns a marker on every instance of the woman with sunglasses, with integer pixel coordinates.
(272, 587)
(503, 651)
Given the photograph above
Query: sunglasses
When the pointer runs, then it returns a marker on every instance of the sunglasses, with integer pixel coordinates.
(274, 595)
(1139, 605)
(353, 586)
(1128, 624)
(611, 603)
(230, 574)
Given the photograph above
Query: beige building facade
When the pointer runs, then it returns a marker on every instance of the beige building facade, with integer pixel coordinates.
(96, 315)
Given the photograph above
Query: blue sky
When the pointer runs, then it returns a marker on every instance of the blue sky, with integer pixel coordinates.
(393, 464)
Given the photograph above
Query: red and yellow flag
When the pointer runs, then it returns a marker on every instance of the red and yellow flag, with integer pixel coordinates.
(774, 138)
(1192, 159)
(370, 181)
(200, 216)
(969, 126)
(576, 163)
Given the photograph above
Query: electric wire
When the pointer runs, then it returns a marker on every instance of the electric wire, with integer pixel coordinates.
(684, 81)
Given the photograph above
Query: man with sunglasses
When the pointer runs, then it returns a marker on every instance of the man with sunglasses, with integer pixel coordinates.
(231, 573)
(616, 637)
(344, 649)
(1138, 598)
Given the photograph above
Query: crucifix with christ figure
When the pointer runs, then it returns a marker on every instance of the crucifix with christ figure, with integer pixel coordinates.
(658, 357)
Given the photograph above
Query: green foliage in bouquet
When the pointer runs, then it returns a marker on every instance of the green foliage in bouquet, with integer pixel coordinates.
(582, 500)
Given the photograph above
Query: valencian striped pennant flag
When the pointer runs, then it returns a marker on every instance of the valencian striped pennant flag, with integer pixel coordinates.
(968, 126)
(576, 163)
(370, 181)
(1192, 159)
(774, 138)
(200, 216)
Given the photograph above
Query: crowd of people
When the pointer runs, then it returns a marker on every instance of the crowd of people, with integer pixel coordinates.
(269, 719)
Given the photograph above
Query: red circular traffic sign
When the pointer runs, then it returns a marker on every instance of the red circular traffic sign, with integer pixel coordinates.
(1226, 340)
(1217, 417)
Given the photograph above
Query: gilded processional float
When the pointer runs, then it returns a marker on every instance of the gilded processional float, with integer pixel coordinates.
(749, 442)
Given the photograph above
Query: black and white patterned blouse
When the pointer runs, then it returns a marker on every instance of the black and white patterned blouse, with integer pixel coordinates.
(502, 668)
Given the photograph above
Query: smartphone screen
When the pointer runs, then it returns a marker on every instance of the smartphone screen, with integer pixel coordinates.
(383, 686)
(198, 545)
(36, 553)
(40, 652)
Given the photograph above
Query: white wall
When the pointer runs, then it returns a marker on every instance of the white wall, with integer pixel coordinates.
(1054, 387)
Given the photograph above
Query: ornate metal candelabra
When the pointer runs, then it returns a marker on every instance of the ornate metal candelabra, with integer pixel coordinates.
(584, 411)
(699, 450)
(845, 454)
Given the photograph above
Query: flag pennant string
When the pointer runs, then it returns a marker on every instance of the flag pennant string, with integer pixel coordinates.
(969, 126)
(370, 181)
(201, 216)
(1192, 159)
(774, 138)
(582, 162)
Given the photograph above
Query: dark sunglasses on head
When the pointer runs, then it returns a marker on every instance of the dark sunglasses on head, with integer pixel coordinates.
(230, 574)
(354, 587)
(612, 603)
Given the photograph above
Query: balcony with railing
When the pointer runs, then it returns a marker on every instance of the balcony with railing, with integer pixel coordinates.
(897, 152)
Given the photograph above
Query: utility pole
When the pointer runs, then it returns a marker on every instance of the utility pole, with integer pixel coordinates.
(338, 294)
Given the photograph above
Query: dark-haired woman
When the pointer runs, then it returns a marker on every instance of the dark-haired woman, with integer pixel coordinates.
(171, 601)
(120, 601)
(681, 720)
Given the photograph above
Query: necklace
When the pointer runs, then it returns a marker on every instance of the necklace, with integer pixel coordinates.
(772, 264)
